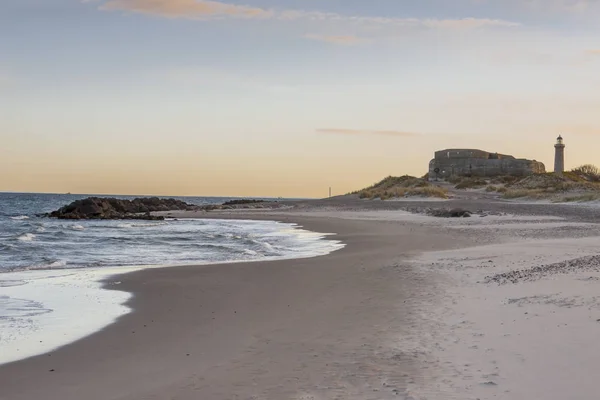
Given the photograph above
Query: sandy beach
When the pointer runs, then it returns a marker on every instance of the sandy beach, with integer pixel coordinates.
(413, 307)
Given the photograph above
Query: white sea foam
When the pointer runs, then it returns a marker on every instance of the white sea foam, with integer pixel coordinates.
(140, 224)
(20, 217)
(11, 282)
(58, 264)
(26, 237)
(53, 309)
(47, 307)
(76, 227)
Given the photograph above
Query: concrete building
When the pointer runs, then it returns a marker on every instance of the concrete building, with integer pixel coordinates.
(559, 156)
(479, 163)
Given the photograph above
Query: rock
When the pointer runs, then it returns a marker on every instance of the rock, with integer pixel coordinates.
(242, 201)
(112, 208)
(453, 213)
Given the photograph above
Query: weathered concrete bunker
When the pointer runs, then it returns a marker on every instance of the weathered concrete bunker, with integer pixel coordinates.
(479, 163)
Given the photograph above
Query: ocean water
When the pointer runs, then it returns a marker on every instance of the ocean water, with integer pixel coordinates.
(50, 269)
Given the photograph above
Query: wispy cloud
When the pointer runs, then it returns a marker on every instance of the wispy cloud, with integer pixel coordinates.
(205, 9)
(338, 131)
(571, 6)
(593, 52)
(564, 5)
(193, 9)
(345, 40)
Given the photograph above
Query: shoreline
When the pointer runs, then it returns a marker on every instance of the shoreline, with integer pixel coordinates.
(273, 313)
(353, 324)
(38, 299)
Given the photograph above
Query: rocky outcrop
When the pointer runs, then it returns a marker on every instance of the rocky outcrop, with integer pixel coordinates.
(452, 213)
(242, 202)
(111, 208)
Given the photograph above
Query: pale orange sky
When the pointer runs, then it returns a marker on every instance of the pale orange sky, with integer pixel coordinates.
(285, 98)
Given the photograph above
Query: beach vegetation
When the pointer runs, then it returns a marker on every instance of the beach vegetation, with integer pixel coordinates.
(580, 198)
(588, 172)
(571, 186)
(522, 193)
(471, 183)
(454, 179)
(399, 187)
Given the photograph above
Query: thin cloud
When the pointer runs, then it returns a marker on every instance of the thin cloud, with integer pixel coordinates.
(576, 6)
(594, 52)
(467, 23)
(191, 9)
(347, 40)
(571, 6)
(205, 9)
(355, 132)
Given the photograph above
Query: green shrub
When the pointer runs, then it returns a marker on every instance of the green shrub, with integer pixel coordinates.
(396, 187)
(582, 197)
(470, 183)
(588, 171)
(518, 193)
(454, 179)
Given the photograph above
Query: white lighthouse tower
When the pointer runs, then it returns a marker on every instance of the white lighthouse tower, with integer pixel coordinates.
(559, 156)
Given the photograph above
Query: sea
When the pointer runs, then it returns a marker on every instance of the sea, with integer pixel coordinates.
(50, 269)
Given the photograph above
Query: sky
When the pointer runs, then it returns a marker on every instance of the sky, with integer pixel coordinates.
(286, 97)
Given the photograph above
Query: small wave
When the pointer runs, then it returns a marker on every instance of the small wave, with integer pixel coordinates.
(76, 227)
(19, 217)
(141, 224)
(265, 245)
(41, 229)
(7, 246)
(11, 283)
(13, 308)
(27, 237)
(58, 264)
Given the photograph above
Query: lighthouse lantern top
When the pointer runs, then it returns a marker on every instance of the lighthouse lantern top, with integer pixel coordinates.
(559, 140)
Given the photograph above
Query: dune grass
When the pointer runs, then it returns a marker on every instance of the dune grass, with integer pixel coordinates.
(522, 193)
(580, 198)
(570, 186)
(403, 186)
(471, 183)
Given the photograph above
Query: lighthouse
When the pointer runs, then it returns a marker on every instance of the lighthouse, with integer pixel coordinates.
(559, 156)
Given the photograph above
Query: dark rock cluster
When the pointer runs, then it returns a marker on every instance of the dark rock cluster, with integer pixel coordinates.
(242, 202)
(111, 208)
(449, 213)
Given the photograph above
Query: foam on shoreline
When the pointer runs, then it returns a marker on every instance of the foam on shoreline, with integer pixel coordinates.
(42, 310)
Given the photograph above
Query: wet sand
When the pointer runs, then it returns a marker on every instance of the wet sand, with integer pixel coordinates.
(319, 328)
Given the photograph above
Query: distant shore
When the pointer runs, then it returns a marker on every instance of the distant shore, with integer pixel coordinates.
(394, 313)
